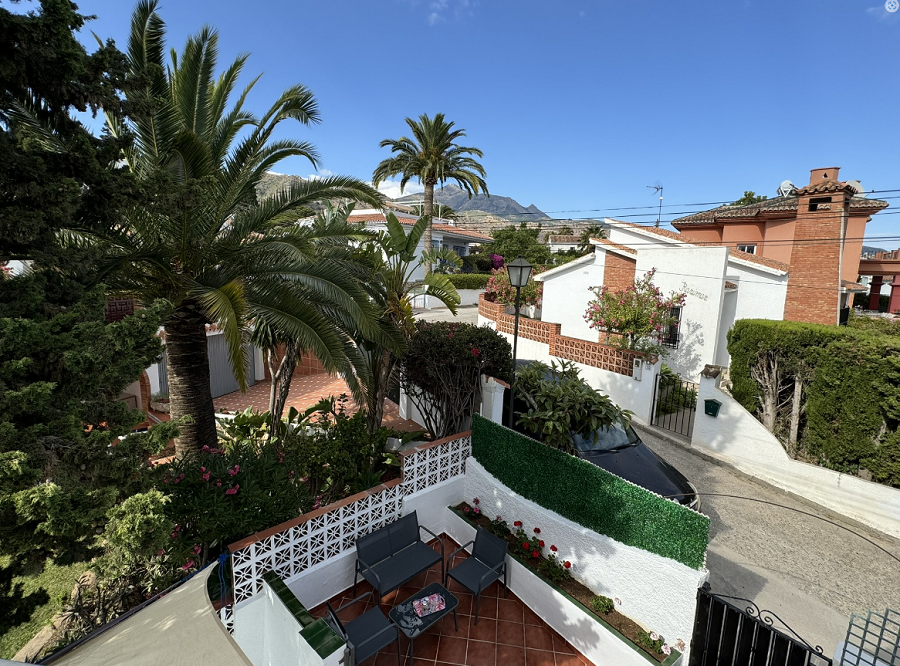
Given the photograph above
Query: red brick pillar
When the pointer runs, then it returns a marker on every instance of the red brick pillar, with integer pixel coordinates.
(875, 291)
(894, 303)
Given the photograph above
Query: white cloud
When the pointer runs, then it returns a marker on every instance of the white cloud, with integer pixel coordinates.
(322, 173)
(434, 18)
(391, 188)
(882, 14)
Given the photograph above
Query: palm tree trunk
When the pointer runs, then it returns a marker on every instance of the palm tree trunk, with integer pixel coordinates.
(382, 369)
(188, 369)
(429, 212)
(281, 381)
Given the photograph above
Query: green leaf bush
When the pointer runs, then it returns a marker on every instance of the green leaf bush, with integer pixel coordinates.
(852, 400)
(590, 496)
(469, 280)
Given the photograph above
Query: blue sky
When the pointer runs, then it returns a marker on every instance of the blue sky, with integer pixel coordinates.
(578, 106)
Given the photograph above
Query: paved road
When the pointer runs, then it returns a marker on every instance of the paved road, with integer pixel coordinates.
(466, 315)
(811, 573)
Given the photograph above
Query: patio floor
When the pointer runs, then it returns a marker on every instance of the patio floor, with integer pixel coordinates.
(507, 634)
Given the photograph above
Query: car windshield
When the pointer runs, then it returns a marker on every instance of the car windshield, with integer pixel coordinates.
(613, 437)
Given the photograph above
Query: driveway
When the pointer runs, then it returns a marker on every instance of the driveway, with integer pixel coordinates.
(809, 572)
(465, 315)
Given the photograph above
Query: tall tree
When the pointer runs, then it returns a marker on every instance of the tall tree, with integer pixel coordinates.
(206, 247)
(592, 231)
(750, 197)
(62, 364)
(432, 157)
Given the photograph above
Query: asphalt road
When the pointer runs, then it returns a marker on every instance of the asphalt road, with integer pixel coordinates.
(810, 572)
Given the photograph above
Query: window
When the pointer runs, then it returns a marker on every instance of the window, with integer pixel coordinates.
(671, 336)
(749, 249)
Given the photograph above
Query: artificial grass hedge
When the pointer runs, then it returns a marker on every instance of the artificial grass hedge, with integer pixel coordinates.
(469, 280)
(590, 496)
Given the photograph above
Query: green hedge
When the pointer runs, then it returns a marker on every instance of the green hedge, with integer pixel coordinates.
(470, 280)
(852, 397)
(590, 496)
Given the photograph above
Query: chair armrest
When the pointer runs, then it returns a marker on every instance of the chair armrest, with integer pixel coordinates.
(389, 627)
(350, 603)
(359, 561)
(422, 527)
(493, 569)
(460, 549)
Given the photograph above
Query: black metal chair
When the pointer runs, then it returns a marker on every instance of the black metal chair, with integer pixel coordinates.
(367, 634)
(486, 565)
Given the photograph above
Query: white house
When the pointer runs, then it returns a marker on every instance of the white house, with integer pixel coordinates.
(563, 243)
(444, 234)
(721, 285)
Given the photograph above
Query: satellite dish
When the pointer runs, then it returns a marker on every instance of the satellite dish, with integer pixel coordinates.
(856, 186)
(786, 188)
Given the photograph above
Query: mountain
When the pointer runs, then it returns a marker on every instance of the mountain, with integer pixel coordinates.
(272, 183)
(869, 251)
(494, 206)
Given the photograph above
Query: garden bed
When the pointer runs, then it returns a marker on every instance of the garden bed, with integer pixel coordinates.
(620, 624)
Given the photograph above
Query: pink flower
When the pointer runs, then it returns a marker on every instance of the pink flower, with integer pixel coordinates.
(218, 483)
(476, 501)
(476, 352)
(205, 477)
(499, 519)
(202, 469)
(196, 549)
(187, 565)
(205, 448)
(233, 491)
(618, 601)
(234, 470)
(160, 552)
(666, 649)
(465, 509)
(654, 636)
(477, 510)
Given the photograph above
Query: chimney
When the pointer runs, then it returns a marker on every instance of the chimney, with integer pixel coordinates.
(826, 173)
(814, 285)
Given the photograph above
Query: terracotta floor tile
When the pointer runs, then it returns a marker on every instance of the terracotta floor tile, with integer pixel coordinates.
(481, 653)
(465, 603)
(426, 646)
(539, 638)
(452, 650)
(568, 660)
(389, 658)
(419, 662)
(511, 633)
(561, 645)
(487, 608)
(485, 630)
(459, 629)
(510, 610)
(509, 655)
(532, 618)
(537, 658)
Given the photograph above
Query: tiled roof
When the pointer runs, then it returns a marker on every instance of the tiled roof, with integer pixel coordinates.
(734, 254)
(564, 239)
(776, 204)
(409, 221)
(853, 286)
(730, 285)
(606, 241)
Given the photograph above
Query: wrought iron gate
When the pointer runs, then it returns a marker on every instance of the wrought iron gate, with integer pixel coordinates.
(727, 635)
(872, 637)
(674, 404)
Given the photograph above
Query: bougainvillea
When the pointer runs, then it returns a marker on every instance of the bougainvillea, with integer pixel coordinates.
(635, 317)
(499, 290)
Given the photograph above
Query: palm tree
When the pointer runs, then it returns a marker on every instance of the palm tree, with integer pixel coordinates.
(432, 157)
(593, 231)
(203, 244)
(391, 287)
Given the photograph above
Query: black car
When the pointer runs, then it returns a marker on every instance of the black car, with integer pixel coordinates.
(619, 449)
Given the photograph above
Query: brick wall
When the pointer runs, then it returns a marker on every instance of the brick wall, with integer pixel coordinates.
(119, 308)
(618, 274)
(814, 282)
(594, 354)
(307, 365)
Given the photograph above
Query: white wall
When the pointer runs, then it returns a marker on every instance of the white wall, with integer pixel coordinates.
(739, 439)
(153, 375)
(700, 273)
(655, 591)
(566, 296)
(269, 634)
(729, 308)
(469, 297)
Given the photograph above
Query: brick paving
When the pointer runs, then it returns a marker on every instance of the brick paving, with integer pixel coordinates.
(508, 633)
(305, 392)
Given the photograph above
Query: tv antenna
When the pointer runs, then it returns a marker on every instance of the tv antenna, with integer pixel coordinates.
(659, 189)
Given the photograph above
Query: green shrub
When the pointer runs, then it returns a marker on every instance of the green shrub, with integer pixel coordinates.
(602, 605)
(652, 645)
(590, 496)
(469, 280)
(441, 371)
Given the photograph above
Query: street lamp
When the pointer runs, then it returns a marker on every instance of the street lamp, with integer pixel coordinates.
(519, 271)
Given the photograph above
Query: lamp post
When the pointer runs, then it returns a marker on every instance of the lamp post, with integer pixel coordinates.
(519, 271)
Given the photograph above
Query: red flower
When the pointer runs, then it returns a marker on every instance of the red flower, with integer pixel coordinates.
(233, 491)
(525, 545)
(476, 352)
(541, 543)
(535, 553)
(187, 565)
(465, 509)
(518, 523)
(537, 530)
(567, 565)
(554, 548)
(476, 501)
(196, 549)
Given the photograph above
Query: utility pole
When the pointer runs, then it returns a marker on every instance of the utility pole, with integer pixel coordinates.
(659, 188)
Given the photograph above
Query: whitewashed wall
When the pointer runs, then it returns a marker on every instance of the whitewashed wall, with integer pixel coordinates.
(624, 390)
(469, 297)
(655, 591)
(739, 439)
(566, 295)
(700, 273)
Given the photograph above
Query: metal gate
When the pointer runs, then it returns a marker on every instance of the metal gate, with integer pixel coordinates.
(221, 375)
(872, 639)
(674, 404)
(727, 635)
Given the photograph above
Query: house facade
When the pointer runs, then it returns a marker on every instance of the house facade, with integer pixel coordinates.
(444, 233)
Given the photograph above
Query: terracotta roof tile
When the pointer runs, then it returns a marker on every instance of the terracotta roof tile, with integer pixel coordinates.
(756, 259)
(409, 221)
(776, 204)
(853, 286)
(564, 239)
(730, 285)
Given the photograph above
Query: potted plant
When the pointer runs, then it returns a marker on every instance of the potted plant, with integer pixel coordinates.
(159, 402)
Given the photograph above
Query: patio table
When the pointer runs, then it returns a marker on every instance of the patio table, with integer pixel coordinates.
(404, 615)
